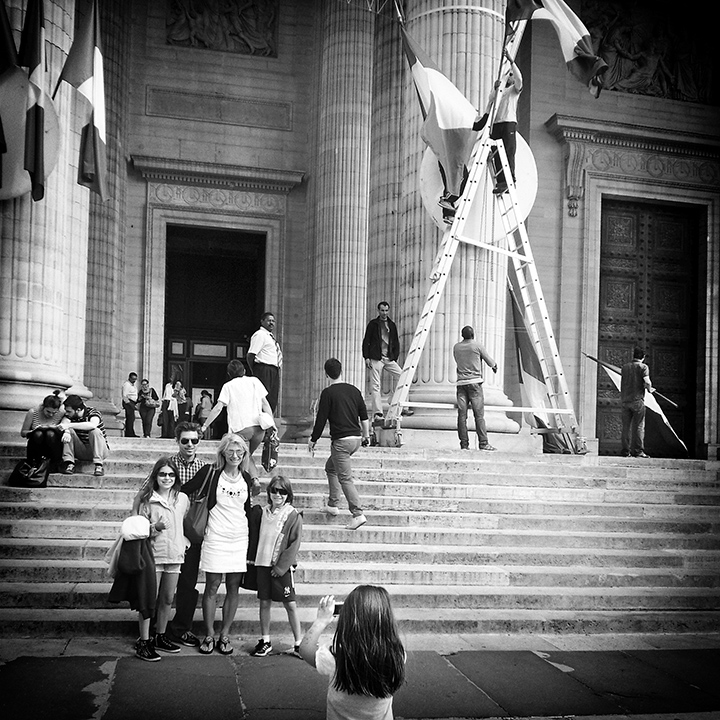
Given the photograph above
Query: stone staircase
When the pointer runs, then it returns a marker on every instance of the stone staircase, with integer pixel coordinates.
(465, 542)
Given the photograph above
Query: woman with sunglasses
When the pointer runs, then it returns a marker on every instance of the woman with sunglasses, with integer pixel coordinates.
(225, 545)
(275, 536)
(162, 503)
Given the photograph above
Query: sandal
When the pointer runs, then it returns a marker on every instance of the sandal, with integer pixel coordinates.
(224, 646)
(207, 645)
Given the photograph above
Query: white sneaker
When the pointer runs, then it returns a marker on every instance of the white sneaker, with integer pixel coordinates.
(330, 510)
(356, 522)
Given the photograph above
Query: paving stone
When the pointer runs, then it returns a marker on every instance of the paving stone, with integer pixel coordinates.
(635, 686)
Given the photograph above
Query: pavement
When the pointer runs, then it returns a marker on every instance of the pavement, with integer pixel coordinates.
(448, 676)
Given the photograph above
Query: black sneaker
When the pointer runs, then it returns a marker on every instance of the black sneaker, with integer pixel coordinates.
(145, 651)
(187, 639)
(262, 649)
(162, 643)
(68, 468)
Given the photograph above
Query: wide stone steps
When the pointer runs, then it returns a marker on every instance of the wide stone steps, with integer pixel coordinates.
(465, 542)
(491, 573)
(91, 595)
(33, 539)
(99, 622)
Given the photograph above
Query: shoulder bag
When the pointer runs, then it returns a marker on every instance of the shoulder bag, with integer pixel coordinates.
(196, 518)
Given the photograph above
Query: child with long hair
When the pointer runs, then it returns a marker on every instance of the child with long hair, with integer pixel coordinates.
(162, 503)
(366, 660)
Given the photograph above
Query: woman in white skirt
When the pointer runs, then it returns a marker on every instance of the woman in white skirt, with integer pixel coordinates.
(224, 548)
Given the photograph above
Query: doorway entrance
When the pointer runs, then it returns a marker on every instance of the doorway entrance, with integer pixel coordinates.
(214, 296)
(651, 282)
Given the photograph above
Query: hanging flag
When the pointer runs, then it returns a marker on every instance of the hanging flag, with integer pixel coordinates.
(32, 56)
(574, 37)
(84, 70)
(660, 438)
(448, 116)
(533, 390)
(8, 59)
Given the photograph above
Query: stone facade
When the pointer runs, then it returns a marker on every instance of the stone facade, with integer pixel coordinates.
(303, 125)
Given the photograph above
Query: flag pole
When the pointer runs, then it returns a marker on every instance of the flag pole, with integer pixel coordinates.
(401, 19)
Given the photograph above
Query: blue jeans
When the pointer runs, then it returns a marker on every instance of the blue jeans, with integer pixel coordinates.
(339, 473)
(633, 427)
(471, 395)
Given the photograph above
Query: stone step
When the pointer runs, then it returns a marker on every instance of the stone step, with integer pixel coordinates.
(352, 553)
(16, 622)
(63, 500)
(391, 459)
(409, 492)
(387, 572)
(326, 534)
(69, 595)
(40, 526)
(432, 484)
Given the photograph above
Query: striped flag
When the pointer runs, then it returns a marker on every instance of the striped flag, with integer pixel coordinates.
(84, 70)
(574, 37)
(448, 115)
(661, 440)
(32, 56)
(8, 59)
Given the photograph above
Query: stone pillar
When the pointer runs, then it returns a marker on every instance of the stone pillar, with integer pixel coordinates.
(43, 246)
(106, 247)
(341, 189)
(466, 44)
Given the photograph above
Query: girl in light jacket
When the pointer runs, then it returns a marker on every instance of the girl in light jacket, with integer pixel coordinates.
(165, 507)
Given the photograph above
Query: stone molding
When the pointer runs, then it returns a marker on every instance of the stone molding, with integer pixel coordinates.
(632, 151)
(217, 174)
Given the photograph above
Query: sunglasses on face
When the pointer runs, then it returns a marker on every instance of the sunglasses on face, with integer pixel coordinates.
(278, 491)
(239, 453)
(166, 474)
(185, 441)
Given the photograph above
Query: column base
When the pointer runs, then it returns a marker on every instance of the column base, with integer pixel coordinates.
(518, 444)
(446, 419)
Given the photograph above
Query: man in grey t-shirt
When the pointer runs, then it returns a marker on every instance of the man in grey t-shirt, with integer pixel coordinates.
(469, 357)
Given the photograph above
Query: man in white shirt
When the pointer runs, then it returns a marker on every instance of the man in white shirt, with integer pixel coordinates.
(505, 123)
(129, 401)
(264, 358)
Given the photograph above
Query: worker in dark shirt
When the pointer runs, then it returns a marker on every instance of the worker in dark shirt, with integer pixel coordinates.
(342, 405)
(635, 379)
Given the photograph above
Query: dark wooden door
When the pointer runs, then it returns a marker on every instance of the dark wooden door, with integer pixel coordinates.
(649, 297)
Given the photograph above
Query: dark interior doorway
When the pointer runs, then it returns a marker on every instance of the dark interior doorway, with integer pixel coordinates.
(652, 294)
(214, 296)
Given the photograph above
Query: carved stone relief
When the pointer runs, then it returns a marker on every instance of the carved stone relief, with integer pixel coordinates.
(248, 27)
(654, 49)
(198, 197)
(629, 151)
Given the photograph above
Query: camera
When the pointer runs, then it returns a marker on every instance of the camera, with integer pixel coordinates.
(338, 608)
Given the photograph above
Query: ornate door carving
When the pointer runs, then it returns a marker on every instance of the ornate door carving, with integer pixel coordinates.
(649, 297)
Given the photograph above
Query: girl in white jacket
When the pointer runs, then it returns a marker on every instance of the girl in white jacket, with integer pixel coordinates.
(165, 507)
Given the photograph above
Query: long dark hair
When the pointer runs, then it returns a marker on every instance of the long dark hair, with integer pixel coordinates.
(369, 655)
(150, 484)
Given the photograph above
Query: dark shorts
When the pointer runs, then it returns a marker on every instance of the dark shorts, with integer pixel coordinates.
(280, 589)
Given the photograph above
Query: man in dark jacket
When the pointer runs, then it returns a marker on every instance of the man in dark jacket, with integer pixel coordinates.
(381, 349)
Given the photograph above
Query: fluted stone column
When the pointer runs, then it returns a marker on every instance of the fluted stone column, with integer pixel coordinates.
(341, 190)
(43, 251)
(106, 247)
(466, 44)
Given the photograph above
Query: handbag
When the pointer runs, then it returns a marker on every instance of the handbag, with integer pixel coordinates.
(271, 448)
(26, 475)
(249, 578)
(196, 518)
